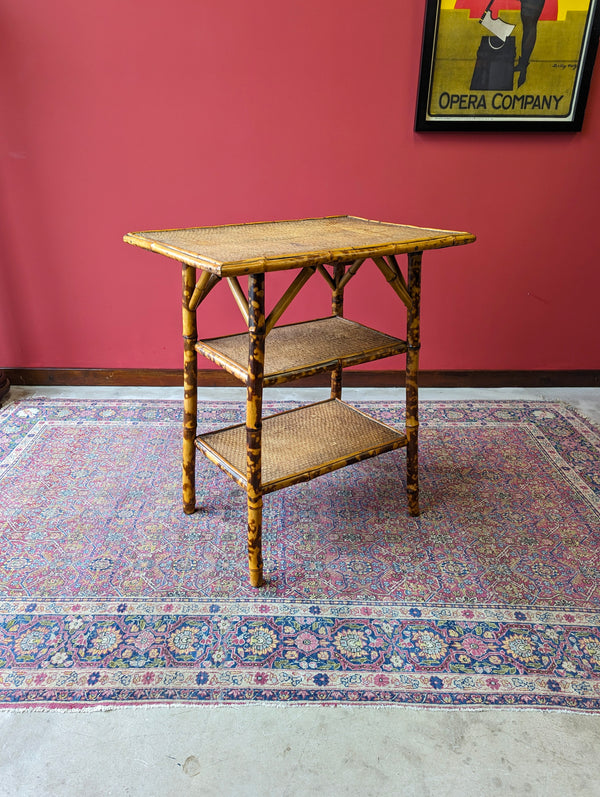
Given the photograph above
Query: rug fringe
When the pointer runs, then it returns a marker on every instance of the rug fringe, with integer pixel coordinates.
(285, 706)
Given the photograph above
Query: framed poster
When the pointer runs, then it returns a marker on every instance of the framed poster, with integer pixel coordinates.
(506, 64)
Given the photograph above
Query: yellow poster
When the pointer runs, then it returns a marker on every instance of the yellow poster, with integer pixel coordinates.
(506, 61)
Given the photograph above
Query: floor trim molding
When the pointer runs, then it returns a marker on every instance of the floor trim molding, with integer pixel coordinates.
(164, 377)
(4, 385)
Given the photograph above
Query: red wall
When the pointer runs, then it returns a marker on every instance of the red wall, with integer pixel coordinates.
(120, 115)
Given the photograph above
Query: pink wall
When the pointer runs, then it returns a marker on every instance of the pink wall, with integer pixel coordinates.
(120, 115)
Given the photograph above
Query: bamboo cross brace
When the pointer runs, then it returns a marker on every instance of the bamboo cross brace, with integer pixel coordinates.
(287, 298)
(395, 279)
(391, 259)
(239, 296)
(326, 276)
(204, 286)
(350, 273)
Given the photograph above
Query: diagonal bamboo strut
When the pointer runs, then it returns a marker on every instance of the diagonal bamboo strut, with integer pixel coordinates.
(391, 259)
(288, 296)
(350, 273)
(204, 286)
(239, 296)
(326, 276)
(395, 279)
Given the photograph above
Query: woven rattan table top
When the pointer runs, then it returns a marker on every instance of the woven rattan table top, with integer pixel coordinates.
(236, 249)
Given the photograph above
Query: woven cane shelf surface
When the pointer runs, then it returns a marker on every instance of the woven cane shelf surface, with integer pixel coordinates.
(303, 349)
(301, 444)
(269, 246)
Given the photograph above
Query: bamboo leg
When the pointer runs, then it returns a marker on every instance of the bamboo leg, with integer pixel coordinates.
(412, 391)
(255, 562)
(256, 359)
(337, 308)
(190, 391)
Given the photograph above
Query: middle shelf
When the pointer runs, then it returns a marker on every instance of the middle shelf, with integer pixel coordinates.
(303, 349)
(303, 443)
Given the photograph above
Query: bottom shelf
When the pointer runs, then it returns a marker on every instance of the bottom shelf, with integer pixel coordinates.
(302, 444)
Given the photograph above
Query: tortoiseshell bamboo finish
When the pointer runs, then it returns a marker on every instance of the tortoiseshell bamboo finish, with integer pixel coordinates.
(190, 388)
(315, 439)
(337, 309)
(303, 443)
(412, 389)
(303, 349)
(256, 361)
(261, 247)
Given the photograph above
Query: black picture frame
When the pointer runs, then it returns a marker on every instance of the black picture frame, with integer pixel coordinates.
(461, 59)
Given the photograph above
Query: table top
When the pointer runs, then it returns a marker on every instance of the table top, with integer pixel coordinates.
(235, 249)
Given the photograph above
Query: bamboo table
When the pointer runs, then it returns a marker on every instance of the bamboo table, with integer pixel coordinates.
(267, 454)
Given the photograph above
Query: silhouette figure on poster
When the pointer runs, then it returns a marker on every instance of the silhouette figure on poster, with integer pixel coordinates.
(496, 56)
(530, 13)
(494, 68)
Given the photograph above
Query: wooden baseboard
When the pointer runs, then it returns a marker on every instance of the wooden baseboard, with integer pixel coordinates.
(163, 377)
(4, 385)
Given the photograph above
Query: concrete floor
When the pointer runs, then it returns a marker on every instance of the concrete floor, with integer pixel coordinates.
(303, 750)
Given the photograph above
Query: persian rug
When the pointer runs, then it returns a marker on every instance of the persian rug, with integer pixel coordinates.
(110, 595)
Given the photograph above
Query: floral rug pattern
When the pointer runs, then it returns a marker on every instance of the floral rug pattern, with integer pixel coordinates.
(109, 594)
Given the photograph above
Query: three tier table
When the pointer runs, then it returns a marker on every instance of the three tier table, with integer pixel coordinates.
(270, 453)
